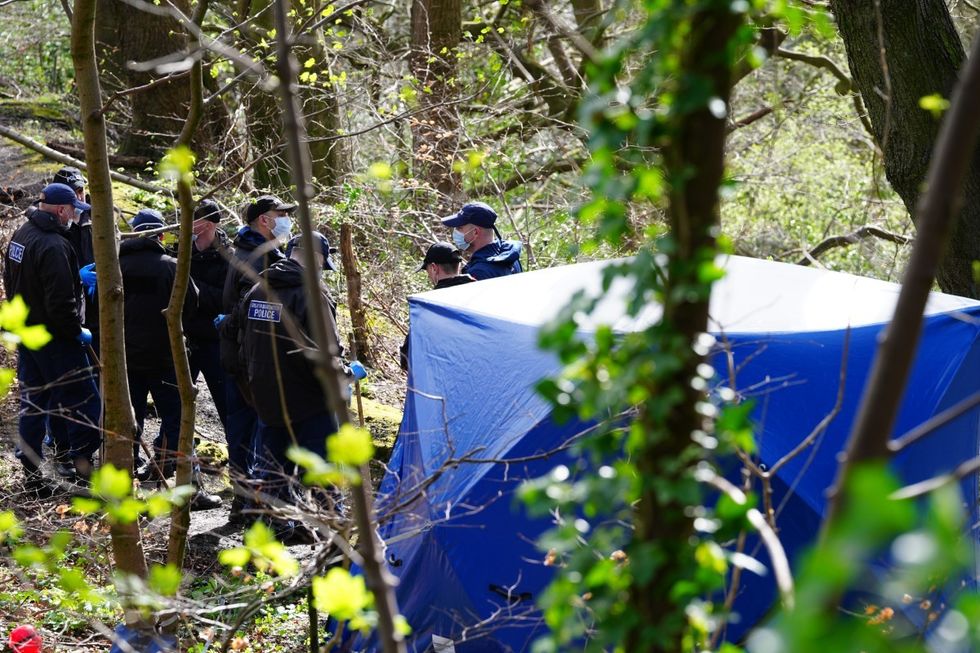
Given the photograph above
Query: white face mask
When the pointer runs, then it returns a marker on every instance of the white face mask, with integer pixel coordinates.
(284, 225)
(459, 239)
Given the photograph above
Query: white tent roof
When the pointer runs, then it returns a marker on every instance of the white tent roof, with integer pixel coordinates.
(755, 296)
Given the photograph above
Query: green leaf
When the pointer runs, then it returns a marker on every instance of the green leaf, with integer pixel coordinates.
(85, 505)
(10, 528)
(350, 446)
(341, 595)
(178, 164)
(34, 337)
(935, 104)
(6, 378)
(164, 580)
(13, 314)
(237, 557)
(379, 170)
(111, 483)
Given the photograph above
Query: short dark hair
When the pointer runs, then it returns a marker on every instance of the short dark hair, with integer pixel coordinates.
(450, 268)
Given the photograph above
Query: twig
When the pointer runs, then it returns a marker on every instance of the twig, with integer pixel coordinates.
(933, 423)
(777, 555)
(927, 486)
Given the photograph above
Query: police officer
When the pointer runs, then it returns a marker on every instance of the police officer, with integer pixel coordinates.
(474, 234)
(289, 400)
(56, 380)
(209, 269)
(442, 264)
(256, 248)
(148, 274)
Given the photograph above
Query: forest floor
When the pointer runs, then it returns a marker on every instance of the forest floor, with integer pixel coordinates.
(33, 596)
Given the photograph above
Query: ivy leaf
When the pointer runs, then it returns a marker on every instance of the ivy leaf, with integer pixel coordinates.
(350, 446)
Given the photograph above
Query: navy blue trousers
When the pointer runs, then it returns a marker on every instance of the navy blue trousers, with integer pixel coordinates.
(58, 389)
(205, 358)
(162, 386)
(241, 430)
(272, 466)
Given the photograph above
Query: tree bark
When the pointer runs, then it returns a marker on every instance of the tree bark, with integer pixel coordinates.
(694, 162)
(358, 317)
(937, 211)
(180, 516)
(437, 27)
(898, 52)
(120, 425)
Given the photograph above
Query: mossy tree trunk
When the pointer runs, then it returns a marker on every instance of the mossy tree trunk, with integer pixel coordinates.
(909, 50)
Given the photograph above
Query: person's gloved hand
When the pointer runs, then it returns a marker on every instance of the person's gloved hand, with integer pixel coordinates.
(357, 370)
(87, 274)
(218, 320)
(85, 336)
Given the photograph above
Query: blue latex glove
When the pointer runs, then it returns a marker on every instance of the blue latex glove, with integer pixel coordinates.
(85, 336)
(358, 370)
(218, 320)
(87, 274)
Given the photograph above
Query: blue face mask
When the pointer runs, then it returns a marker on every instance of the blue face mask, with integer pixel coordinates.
(459, 239)
(284, 225)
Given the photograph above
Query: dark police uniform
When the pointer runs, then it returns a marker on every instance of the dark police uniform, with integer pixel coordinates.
(209, 270)
(57, 379)
(148, 278)
(241, 427)
(287, 394)
(498, 259)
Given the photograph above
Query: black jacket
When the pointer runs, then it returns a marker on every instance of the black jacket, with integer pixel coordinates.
(209, 269)
(253, 249)
(148, 278)
(448, 282)
(41, 266)
(79, 234)
(269, 353)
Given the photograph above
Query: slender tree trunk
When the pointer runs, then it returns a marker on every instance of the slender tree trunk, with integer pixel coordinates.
(436, 31)
(900, 51)
(694, 160)
(358, 317)
(180, 517)
(326, 356)
(120, 425)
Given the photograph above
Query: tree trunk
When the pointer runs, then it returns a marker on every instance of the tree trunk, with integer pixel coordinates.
(158, 112)
(120, 425)
(907, 51)
(358, 317)
(694, 162)
(436, 31)
(180, 517)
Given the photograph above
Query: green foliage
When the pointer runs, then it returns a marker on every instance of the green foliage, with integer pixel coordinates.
(112, 492)
(263, 551)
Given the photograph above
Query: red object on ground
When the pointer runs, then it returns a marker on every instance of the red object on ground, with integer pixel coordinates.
(24, 639)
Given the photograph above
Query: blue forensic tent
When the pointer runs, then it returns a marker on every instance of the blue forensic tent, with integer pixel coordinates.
(462, 547)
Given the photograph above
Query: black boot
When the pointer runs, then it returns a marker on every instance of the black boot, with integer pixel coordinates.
(202, 499)
(36, 485)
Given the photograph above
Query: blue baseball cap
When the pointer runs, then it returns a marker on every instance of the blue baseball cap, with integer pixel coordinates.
(62, 194)
(147, 219)
(476, 213)
(325, 249)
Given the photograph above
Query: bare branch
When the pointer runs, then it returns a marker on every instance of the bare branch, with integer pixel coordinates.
(867, 231)
(933, 423)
